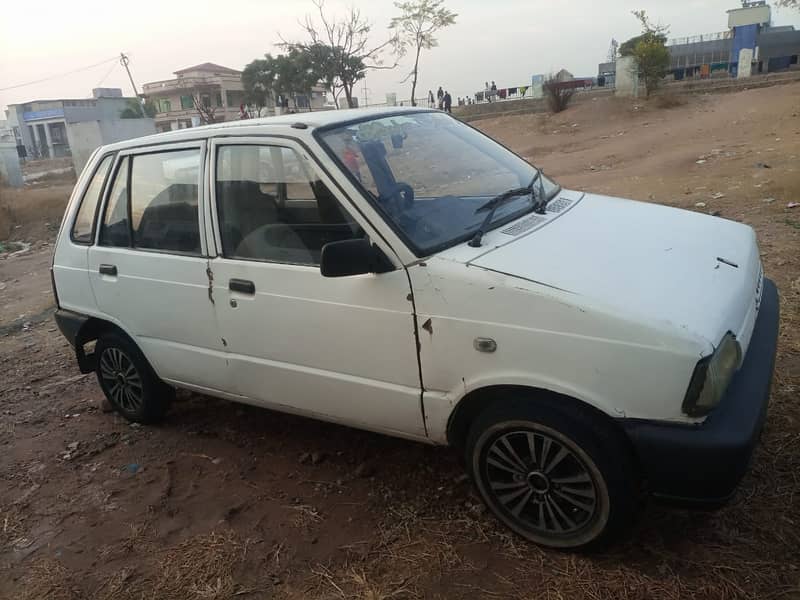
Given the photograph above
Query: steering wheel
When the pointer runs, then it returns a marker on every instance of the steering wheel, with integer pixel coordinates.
(401, 197)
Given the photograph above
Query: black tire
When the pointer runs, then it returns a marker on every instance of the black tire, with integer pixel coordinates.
(128, 380)
(577, 489)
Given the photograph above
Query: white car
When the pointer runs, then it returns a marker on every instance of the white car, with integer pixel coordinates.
(401, 272)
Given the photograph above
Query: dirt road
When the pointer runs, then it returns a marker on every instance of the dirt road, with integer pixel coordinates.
(229, 501)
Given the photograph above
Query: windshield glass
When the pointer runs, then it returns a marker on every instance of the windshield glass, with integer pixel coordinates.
(430, 174)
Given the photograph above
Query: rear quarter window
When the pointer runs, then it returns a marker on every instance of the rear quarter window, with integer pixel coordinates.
(83, 227)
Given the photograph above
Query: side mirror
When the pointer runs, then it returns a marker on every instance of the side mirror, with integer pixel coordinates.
(352, 257)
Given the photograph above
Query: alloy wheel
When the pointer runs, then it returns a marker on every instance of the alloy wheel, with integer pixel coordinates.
(541, 483)
(121, 380)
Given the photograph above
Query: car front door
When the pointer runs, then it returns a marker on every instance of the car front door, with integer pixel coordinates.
(148, 267)
(341, 349)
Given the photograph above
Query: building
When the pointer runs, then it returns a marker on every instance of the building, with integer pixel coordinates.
(217, 90)
(73, 127)
(750, 45)
(210, 93)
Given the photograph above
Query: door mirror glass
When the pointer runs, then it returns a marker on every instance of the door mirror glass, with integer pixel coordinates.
(348, 257)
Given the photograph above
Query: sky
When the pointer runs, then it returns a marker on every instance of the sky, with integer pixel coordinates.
(502, 40)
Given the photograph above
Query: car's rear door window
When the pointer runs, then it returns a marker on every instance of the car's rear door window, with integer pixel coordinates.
(164, 201)
(83, 227)
(115, 230)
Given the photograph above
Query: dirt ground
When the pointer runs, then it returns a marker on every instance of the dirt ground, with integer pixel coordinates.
(229, 501)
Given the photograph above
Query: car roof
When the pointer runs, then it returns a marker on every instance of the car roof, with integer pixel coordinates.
(278, 124)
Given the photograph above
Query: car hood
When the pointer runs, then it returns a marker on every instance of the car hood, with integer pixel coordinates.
(642, 261)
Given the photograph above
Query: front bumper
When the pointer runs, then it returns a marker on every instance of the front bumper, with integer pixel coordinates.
(702, 464)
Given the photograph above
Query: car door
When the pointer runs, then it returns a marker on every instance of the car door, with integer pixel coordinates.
(148, 267)
(342, 349)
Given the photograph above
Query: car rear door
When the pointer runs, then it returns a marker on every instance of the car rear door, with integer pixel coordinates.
(342, 349)
(148, 267)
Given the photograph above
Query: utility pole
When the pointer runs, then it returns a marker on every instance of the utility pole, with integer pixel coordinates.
(124, 60)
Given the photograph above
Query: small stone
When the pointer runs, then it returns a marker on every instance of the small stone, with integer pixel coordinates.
(72, 446)
(715, 213)
(792, 205)
(762, 166)
(718, 195)
(317, 457)
(304, 458)
(477, 509)
(768, 200)
(702, 161)
(700, 204)
(135, 425)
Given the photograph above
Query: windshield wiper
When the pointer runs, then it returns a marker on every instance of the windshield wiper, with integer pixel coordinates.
(495, 203)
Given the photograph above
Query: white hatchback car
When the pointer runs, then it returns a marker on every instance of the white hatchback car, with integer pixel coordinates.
(401, 272)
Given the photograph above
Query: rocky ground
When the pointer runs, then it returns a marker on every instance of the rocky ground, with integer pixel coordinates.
(229, 501)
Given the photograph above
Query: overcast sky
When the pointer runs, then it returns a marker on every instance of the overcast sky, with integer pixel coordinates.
(502, 40)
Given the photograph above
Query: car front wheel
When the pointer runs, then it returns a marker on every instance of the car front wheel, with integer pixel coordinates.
(553, 475)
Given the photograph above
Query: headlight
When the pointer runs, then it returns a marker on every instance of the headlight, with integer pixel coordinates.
(711, 377)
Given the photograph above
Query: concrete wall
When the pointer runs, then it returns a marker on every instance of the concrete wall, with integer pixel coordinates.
(118, 130)
(627, 83)
(9, 164)
(85, 138)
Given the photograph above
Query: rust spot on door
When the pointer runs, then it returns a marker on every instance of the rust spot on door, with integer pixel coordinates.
(428, 326)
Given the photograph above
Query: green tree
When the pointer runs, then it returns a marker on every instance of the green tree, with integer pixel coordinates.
(264, 79)
(419, 20)
(258, 81)
(134, 109)
(650, 51)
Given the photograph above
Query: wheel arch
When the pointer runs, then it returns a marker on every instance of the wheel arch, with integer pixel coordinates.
(90, 331)
(478, 400)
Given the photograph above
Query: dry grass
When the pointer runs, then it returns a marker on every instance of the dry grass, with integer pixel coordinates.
(11, 526)
(47, 579)
(32, 213)
(200, 568)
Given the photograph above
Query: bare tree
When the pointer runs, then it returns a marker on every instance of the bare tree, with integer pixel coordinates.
(341, 49)
(558, 94)
(206, 112)
(418, 22)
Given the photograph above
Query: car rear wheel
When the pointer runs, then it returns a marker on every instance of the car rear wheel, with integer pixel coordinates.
(128, 381)
(552, 475)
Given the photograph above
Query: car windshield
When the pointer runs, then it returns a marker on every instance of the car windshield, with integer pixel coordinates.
(430, 174)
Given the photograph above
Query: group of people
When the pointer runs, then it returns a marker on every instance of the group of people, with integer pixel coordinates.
(443, 100)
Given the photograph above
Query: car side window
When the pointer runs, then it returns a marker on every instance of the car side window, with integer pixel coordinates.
(164, 201)
(273, 208)
(115, 230)
(83, 227)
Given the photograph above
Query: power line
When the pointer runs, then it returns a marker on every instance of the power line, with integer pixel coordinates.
(43, 79)
(99, 83)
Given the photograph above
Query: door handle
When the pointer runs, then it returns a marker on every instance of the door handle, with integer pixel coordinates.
(242, 286)
(108, 270)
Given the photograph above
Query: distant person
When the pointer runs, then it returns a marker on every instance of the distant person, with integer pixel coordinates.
(350, 157)
(431, 100)
(440, 97)
(448, 102)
